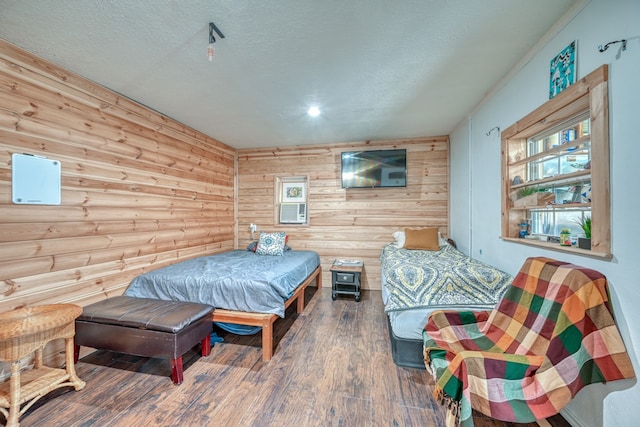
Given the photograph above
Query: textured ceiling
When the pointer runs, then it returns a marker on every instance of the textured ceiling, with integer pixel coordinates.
(378, 69)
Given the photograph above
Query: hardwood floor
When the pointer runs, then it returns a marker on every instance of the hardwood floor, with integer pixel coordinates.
(332, 366)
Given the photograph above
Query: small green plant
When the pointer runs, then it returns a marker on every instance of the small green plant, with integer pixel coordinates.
(585, 224)
(565, 231)
(527, 191)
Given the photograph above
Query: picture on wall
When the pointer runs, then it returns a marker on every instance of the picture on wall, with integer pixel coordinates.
(562, 72)
(293, 192)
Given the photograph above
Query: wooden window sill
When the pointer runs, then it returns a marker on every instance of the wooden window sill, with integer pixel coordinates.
(558, 247)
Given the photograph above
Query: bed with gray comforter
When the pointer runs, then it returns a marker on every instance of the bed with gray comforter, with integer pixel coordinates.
(238, 280)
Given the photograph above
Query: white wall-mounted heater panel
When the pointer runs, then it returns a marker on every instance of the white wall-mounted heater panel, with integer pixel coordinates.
(35, 180)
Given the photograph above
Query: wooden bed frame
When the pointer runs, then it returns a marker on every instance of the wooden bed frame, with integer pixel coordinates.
(265, 320)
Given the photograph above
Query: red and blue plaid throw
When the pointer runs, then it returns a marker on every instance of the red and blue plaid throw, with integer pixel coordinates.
(551, 334)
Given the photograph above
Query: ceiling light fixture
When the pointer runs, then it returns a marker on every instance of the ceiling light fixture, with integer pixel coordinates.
(313, 111)
(212, 39)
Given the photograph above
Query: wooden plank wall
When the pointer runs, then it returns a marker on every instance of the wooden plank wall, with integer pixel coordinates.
(345, 223)
(139, 190)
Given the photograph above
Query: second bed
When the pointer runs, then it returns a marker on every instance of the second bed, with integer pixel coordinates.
(417, 282)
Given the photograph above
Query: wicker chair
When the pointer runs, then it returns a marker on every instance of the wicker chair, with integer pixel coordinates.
(23, 332)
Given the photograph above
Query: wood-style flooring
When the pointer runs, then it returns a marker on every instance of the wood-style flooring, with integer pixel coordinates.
(332, 366)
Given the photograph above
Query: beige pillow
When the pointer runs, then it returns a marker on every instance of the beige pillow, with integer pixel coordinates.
(398, 236)
(423, 238)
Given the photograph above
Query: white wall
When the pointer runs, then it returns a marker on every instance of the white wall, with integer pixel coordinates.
(478, 227)
(460, 208)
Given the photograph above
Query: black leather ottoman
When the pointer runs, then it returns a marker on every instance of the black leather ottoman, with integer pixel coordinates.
(146, 327)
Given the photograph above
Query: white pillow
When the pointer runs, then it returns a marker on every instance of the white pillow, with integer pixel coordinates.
(400, 239)
(399, 236)
(441, 240)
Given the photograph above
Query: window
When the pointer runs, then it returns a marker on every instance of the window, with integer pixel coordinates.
(291, 200)
(558, 164)
(555, 169)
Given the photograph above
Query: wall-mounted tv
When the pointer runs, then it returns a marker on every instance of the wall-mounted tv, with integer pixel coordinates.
(374, 169)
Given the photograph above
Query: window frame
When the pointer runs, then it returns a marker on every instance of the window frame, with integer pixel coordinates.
(282, 181)
(588, 95)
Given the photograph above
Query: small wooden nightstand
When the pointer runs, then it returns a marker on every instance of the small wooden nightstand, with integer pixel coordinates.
(345, 278)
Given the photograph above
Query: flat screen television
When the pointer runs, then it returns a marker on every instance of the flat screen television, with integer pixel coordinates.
(374, 169)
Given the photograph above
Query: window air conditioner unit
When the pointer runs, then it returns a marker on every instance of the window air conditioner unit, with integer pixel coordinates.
(293, 213)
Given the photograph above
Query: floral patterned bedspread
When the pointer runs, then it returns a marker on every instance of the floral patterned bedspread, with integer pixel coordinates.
(417, 278)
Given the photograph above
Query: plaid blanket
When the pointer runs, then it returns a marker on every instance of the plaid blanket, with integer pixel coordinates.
(551, 334)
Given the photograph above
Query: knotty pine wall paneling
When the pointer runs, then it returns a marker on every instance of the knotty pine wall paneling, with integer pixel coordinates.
(345, 223)
(139, 190)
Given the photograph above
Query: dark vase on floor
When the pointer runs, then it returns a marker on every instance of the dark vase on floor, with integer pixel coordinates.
(584, 243)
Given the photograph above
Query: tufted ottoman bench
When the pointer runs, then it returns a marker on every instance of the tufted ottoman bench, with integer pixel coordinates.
(145, 327)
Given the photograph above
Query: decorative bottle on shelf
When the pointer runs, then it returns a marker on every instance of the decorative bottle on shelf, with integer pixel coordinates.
(565, 237)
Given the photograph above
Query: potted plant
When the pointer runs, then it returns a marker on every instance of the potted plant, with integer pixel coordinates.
(585, 224)
(532, 196)
(565, 237)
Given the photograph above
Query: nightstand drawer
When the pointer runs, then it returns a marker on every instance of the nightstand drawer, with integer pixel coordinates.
(345, 277)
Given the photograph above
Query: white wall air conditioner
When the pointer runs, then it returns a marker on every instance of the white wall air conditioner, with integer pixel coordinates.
(293, 213)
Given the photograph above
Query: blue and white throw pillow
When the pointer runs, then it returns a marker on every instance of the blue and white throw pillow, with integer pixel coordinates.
(271, 243)
(254, 245)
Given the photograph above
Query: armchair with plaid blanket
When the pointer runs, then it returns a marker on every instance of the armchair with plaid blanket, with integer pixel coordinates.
(551, 334)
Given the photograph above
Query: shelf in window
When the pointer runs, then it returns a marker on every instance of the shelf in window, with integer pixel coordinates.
(577, 206)
(566, 178)
(578, 152)
(557, 151)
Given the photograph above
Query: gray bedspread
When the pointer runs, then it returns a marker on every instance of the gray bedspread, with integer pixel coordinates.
(236, 280)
